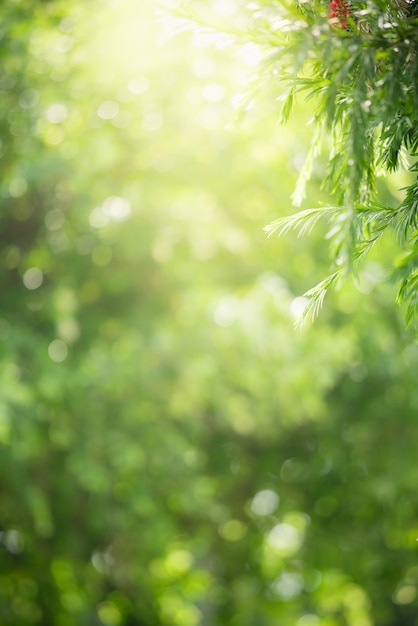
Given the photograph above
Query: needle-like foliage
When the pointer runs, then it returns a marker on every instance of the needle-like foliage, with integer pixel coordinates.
(356, 62)
(359, 69)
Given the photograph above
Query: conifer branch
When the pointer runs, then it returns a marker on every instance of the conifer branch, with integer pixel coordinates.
(357, 64)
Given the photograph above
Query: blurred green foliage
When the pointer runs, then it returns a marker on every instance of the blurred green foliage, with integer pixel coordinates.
(172, 452)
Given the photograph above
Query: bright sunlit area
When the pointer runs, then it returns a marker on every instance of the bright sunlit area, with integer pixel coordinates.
(176, 447)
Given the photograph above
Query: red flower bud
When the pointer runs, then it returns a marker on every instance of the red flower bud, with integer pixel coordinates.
(338, 10)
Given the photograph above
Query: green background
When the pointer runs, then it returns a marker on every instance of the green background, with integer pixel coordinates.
(172, 451)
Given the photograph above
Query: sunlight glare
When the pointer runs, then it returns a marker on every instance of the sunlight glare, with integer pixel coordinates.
(298, 306)
(225, 8)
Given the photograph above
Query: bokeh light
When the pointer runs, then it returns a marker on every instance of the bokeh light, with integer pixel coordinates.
(173, 451)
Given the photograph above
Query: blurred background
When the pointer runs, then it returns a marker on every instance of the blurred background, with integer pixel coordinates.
(172, 451)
